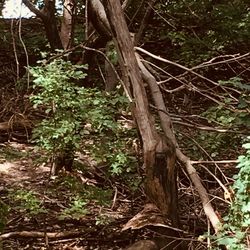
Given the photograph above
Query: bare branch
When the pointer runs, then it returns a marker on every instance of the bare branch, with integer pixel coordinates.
(36, 234)
(206, 202)
(233, 58)
(175, 64)
(33, 9)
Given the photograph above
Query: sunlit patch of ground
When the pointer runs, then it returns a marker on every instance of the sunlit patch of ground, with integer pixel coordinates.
(17, 172)
(16, 168)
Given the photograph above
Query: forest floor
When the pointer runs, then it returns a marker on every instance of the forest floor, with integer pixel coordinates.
(79, 210)
(37, 214)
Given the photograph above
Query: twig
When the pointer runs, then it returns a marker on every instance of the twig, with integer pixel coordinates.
(212, 162)
(14, 50)
(226, 191)
(25, 49)
(114, 199)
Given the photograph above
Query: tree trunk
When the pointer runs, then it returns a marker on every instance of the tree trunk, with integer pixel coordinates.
(67, 28)
(47, 14)
(51, 25)
(159, 154)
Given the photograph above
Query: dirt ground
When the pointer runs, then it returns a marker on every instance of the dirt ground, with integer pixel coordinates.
(40, 225)
(22, 168)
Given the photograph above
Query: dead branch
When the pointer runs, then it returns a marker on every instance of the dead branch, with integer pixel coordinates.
(37, 234)
(158, 152)
(33, 9)
(176, 64)
(233, 58)
(167, 128)
(207, 128)
(206, 93)
(206, 202)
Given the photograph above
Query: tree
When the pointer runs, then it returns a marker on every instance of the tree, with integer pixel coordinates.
(47, 15)
(192, 35)
(159, 152)
(57, 40)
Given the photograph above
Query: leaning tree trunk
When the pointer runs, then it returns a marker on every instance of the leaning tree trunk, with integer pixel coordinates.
(158, 151)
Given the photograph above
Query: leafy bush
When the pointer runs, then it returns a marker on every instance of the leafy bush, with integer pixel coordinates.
(28, 202)
(59, 98)
(237, 222)
(76, 114)
(76, 210)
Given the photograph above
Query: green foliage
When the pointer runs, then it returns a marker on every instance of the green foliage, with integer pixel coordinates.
(59, 99)
(243, 100)
(224, 114)
(95, 194)
(236, 82)
(103, 219)
(28, 202)
(199, 30)
(4, 210)
(76, 114)
(76, 210)
(237, 222)
(116, 152)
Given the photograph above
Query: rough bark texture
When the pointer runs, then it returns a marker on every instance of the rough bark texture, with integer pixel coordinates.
(159, 156)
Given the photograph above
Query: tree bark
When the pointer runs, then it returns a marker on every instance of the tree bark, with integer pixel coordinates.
(67, 28)
(159, 155)
(98, 18)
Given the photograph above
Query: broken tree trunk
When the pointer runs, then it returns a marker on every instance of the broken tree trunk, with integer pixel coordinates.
(159, 153)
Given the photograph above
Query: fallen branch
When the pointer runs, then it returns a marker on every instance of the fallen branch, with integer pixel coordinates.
(36, 234)
(206, 202)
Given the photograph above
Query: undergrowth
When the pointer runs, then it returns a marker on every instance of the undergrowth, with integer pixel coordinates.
(236, 228)
(77, 115)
